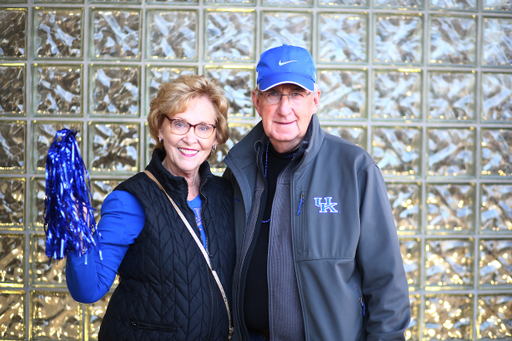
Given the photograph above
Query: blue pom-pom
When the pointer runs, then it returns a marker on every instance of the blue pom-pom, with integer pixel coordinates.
(68, 218)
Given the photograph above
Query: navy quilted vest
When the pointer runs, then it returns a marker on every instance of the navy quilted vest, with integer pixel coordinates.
(166, 290)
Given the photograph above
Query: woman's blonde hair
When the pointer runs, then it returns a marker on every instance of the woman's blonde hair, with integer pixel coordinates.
(174, 98)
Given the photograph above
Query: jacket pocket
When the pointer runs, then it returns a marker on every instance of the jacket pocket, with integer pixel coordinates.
(150, 326)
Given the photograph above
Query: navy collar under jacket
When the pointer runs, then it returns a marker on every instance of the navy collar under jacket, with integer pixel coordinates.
(238, 158)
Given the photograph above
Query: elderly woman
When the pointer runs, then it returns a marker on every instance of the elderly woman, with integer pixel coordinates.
(167, 290)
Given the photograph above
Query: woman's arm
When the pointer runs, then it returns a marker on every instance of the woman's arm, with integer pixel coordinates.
(88, 277)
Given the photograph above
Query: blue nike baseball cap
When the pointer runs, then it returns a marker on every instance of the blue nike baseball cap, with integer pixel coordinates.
(286, 64)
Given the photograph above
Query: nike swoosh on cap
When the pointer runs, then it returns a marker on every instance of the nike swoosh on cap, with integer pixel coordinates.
(290, 61)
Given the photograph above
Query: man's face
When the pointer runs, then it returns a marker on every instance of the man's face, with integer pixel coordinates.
(287, 121)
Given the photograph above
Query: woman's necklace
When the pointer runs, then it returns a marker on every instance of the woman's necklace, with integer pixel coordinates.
(196, 182)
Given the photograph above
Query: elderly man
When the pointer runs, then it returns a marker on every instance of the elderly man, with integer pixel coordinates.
(318, 256)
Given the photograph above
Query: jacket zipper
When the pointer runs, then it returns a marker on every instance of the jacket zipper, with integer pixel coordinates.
(238, 289)
(300, 203)
(362, 305)
(302, 224)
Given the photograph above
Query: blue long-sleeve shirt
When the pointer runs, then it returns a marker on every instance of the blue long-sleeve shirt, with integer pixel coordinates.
(122, 219)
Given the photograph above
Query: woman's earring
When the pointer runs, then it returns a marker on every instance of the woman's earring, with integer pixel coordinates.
(214, 147)
(159, 139)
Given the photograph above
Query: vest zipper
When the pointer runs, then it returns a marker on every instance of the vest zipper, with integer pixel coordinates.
(211, 332)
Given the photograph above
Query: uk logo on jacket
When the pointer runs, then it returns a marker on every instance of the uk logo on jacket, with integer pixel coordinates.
(325, 205)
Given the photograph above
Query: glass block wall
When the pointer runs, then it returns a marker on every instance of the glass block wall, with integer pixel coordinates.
(425, 86)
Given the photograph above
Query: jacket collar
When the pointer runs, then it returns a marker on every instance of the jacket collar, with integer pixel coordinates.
(245, 152)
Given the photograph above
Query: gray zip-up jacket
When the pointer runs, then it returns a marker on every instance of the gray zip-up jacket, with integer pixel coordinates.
(348, 266)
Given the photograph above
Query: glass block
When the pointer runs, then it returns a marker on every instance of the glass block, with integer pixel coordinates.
(61, 1)
(230, 2)
(301, 3)
(127, 2)
(37, 204)
(157, 74)
(496, 208)
(343, 3)
(497, 5)
(342, 38)
(496, 152)
(113, 147)
(356, 135)
(451, 152)
(237, 132)
(448, 317)
(451, 208)
(411, 256)
(12, 319)
(99, 190)
(237, 84)
(12, 263)
(452, 40)
(43, 272)
(13, 33)
(497, 94)
(398, 4)
(115, 34)
(58, 33)
(397, 150)
(12, 146)
(497, 42)
(343, 94)
(57, 89)
(398, 39)
(397, 95)
(495, 263)
(43, 134)
(114, 90)
(172, 35)
(12, 90)
(448, 263)
(55, 316)
(451, 96)
(177, 2)
(95, 313)
(12, 199)
(454, 5)
(150, 144)
(230, 36)
(286, 28)
(405, 203)
(494, 317)
(412, 332)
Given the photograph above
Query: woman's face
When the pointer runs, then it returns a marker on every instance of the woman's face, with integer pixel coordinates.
(185, 153)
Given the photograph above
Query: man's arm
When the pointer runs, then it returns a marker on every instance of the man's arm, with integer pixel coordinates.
(385, 288)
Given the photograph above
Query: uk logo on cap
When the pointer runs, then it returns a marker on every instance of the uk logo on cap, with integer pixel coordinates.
(286, 64)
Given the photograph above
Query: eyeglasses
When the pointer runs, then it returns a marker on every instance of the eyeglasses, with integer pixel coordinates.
(180, 127)
(295, 97)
